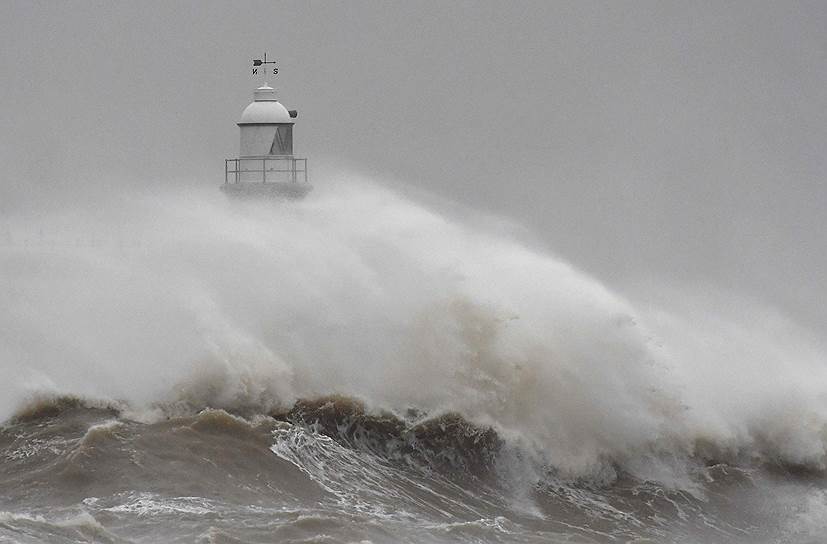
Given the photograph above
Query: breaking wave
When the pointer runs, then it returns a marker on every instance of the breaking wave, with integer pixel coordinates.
(435, 340)
(446, 442)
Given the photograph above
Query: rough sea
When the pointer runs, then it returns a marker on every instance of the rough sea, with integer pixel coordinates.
(362, 367)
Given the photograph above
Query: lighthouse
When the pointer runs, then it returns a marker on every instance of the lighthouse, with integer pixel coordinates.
(266, 165)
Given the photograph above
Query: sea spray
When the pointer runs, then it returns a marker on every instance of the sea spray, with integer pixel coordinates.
(361, 292)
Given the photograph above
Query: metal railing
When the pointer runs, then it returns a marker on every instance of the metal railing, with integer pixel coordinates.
(257, 170)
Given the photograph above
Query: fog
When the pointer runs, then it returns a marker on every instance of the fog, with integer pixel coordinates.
(655, 145)
(595, 229)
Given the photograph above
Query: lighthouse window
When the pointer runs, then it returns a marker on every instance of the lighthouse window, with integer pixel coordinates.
(282, 141)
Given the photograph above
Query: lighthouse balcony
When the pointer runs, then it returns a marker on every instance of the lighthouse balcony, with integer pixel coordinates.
(275, 175)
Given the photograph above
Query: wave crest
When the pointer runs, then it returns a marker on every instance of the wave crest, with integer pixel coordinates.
(48, 406)
(444, 442)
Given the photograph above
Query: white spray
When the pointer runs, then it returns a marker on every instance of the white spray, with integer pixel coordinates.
(361, 292)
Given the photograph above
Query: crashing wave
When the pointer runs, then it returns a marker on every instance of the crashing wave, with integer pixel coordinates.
(446, 441)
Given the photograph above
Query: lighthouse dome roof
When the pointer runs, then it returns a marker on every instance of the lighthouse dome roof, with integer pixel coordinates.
(265, 109)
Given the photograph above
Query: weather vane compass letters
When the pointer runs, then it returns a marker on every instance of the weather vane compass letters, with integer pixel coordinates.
(262, 63)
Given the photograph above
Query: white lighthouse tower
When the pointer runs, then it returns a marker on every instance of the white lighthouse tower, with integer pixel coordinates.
(266, 165)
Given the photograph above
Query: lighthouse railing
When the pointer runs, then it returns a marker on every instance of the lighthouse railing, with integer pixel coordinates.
(257, 169)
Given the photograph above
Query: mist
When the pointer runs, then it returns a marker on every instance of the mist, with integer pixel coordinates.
(176, 300)
(668, 151)
(649, 143)
(595, 231)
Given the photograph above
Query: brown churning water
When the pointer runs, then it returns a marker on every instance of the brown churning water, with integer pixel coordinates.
(358, 367)
(81, 472)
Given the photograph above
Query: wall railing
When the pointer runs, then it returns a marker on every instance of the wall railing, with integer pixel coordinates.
(265, 170)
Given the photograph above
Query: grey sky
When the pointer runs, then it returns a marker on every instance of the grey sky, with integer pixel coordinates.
(644, 141)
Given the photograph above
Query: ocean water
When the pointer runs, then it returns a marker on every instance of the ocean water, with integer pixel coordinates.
(362, 367)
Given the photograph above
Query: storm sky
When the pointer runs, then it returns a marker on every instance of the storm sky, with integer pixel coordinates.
(646, 142)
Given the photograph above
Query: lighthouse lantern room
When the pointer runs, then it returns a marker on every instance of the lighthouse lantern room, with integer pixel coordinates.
(266, 165)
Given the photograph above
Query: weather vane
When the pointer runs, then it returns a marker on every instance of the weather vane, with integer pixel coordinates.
(259, 62)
